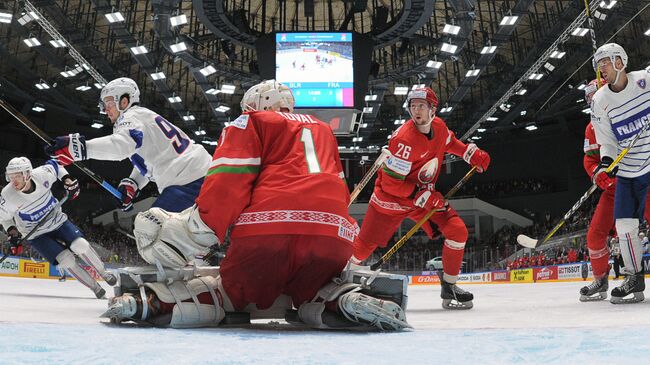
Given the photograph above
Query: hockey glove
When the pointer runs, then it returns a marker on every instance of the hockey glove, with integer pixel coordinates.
(15, 242)
(67, 149)
(129, 190)
(601, 178)
(476, 157)
(72, 186)
(430, 200)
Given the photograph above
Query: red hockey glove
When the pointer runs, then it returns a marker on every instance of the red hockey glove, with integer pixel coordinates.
(67, 149)
(15, 243)
(601, 178)
(476, 157)
(429, 200)
(129, 190)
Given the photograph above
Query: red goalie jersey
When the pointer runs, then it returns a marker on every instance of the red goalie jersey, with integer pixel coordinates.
(415, 164)
(276, 173)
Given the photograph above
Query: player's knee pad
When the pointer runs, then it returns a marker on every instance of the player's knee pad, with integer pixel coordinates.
(172, 239)
(66, 259)
(80, 246)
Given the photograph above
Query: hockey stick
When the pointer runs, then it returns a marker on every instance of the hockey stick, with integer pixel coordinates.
(38, 225)
(529, 242)
(45, 138)
(594, 46)
(419, 224)
(385, 154)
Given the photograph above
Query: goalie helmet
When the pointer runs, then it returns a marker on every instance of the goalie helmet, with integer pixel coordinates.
(611, 51)
(268, 95)
(19, 164)
(118, 88)
(591, 89)
(425, 93)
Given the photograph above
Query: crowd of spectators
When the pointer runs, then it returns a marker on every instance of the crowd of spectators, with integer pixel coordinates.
(507, 188)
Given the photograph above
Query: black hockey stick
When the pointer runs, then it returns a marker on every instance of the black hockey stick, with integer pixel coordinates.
(38, 225)
(419, 224)
(45, 138)
(529, 242)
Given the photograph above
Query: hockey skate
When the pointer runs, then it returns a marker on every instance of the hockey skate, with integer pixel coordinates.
(383, 314)
(633, 284)
(454, 297)
(597, 290)
(100, 293)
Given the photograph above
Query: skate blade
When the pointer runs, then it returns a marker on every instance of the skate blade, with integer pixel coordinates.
(455, 305)
(635, 298)
(594, 298)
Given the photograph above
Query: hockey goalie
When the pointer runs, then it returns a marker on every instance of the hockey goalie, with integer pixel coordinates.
(276, 183)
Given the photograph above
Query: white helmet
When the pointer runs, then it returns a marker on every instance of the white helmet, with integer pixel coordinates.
(611, 51)
(268, 95)
(19, 164)
(118, 88)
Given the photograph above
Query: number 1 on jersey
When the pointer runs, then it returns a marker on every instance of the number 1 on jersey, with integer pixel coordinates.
(310, 151)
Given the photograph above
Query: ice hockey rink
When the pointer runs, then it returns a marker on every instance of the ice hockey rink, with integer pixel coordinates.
(48, 322)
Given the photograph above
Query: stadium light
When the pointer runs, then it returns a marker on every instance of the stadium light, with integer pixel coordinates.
(451, 29)
(434, 64)
(139, 50)
(222, 108)
(178, 47)
(97, 125)
(114, 17)
(535, 76)
(32, 42)
(228, 89)
(531, 127)
(57, 43)
(472, 73)
(174, 99)
(401, 90)
(42, 85)
(448, 48)
(83, 88)
(158, 76)
(558, 54)
(580, 32)
(38, 108)
(509, 20)
(608, 4)
(208, 70)
(488, 49)
(522, 92)
(178, 20)
(5, 17)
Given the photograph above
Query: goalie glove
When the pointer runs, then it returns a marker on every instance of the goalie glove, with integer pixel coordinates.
(476, 157)
(67, 149)
(601, 178)
(129, 190)
(429, 200)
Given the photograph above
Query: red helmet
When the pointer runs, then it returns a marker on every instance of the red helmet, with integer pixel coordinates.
(425, 93)
(591, 89)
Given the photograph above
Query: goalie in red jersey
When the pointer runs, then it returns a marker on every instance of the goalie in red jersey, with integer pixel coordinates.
(277, 184)
(405, 188)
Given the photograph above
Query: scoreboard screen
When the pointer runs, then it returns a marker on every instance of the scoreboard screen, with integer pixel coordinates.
(318, 67)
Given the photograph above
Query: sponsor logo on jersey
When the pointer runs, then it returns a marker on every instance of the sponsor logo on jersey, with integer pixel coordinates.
(241, 122)
(346, 233)
(428, 171)
(399, 165)
(641, 83)
(630, 128)
(46, 184)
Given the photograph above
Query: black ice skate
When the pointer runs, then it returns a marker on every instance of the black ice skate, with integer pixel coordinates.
(597, 290)
(100, 293)
(634, 284)
(110, 278)
(454, 297)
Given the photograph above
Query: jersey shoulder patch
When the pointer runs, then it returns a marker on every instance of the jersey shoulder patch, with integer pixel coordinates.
(400, 166)
(241, 122)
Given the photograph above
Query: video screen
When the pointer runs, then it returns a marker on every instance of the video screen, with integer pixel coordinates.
(317, 67)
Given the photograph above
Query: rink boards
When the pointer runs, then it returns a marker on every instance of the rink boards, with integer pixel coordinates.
(20, 267)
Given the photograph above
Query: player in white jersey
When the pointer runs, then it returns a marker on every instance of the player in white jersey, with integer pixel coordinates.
(159, 150)
(28, 199)
(619, 112)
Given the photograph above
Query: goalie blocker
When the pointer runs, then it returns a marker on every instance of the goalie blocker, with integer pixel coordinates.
(364, 300)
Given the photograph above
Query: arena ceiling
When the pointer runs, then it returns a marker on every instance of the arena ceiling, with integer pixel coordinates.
(408, 38)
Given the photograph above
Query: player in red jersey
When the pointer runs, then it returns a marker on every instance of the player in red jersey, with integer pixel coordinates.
(277, 183)
(602, 221)
(405, 188)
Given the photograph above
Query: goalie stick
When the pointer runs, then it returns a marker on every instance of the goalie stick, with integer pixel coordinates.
(419, 224)
(38, 225)
(45, 138)
(529, 242)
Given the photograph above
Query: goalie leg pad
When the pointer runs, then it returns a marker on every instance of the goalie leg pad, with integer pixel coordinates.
(380, 285)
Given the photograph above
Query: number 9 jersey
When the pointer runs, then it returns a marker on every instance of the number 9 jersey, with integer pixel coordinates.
(159, 151)
(276, 173)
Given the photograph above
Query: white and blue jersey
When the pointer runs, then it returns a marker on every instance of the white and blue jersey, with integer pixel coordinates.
(160, 151)
(25, 210)
(618, 117)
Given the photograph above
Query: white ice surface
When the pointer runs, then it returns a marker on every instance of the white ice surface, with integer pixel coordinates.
(47, 322)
